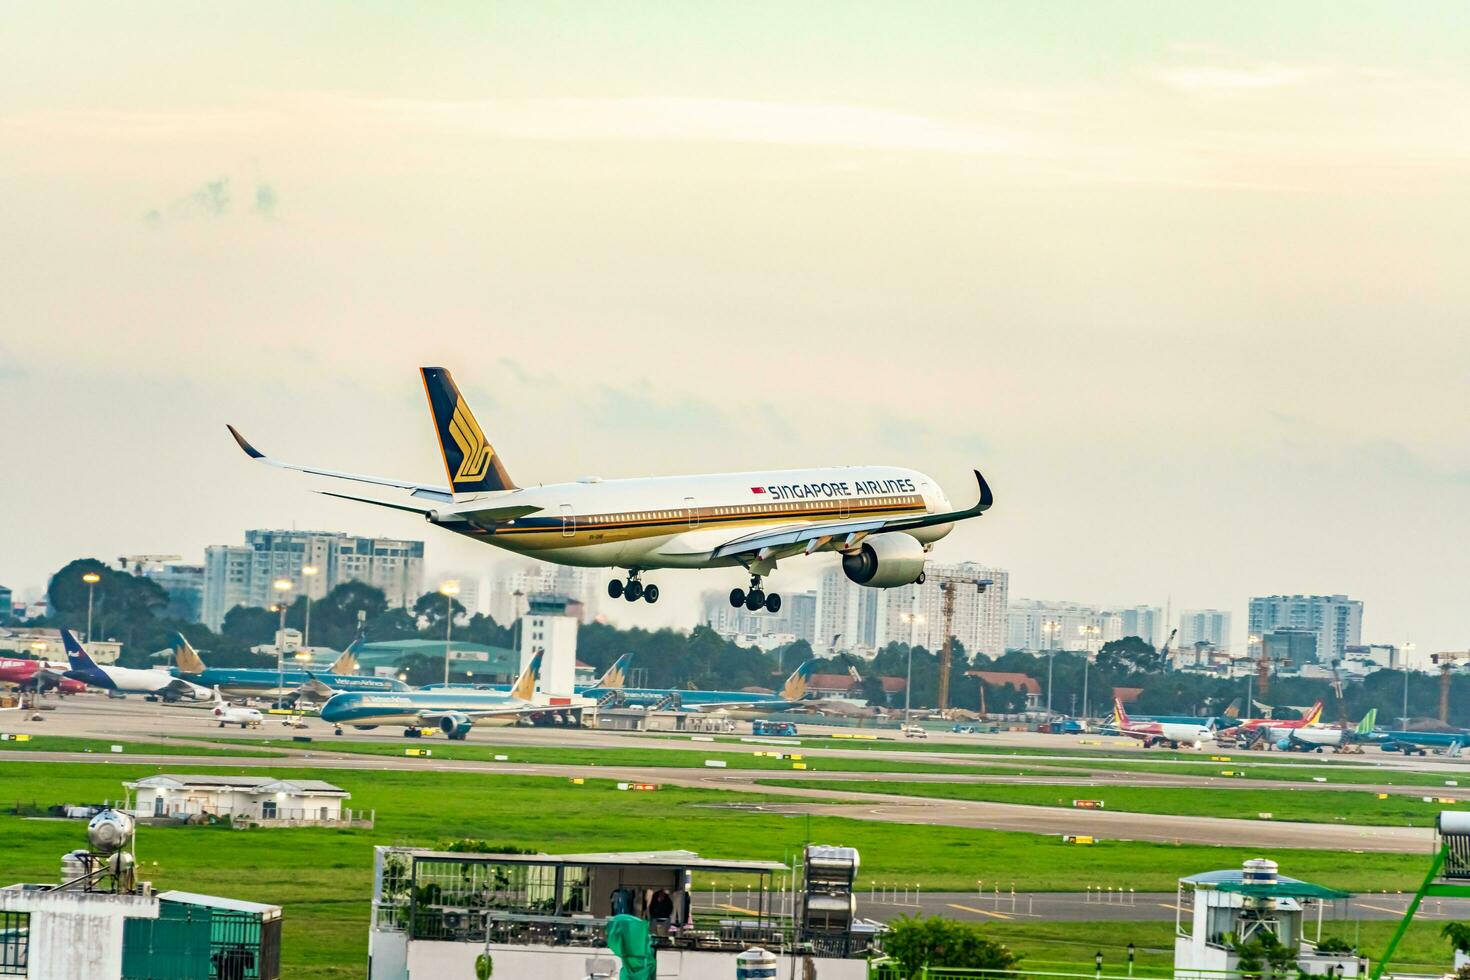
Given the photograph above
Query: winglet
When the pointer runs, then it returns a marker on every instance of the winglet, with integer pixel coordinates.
(986, 497)
(250, 450)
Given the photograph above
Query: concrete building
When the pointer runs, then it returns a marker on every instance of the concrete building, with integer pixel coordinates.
(547, 629)
(257, 800)
(7, 604)
(1210, 626)
(1292, 647)
(1335, 619)
(1144, 622)
(243, 575)
(914, 614)
(184, 585)
(44, 643)
(795, 621)
(1037, 625)
(846, 618)
(512, 588)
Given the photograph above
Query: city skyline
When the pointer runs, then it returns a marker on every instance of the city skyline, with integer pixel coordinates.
(1181, 280)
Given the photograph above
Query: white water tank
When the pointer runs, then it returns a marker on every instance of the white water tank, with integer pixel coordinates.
(1259, 871)
(756, 964)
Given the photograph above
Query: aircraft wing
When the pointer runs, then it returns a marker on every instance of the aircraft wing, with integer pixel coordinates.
(489, 711)
(420, 490)
(813, 536)
(181, 688)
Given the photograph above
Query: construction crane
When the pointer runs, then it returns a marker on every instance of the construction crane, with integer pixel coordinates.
(1446, 662)
(947, 588)
(1164, 653)
(140, 562)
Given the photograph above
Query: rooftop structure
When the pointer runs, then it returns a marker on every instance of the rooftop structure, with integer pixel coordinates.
(262, 801)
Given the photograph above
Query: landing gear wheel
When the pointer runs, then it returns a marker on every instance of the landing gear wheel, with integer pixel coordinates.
(633, 591)
(755, 599)
(737, 598)
(920, 579)
(650, 594)
(773, 603)
(615, 589)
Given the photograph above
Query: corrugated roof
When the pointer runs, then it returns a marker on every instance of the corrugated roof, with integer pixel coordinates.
(672, 860)
(241, 782)
(216, 902)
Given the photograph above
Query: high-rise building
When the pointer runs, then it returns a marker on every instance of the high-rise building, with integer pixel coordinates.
(1144, 622)
(1038, 625)
(796, 618)
(7, 603)
(242, 575)
(1336, 619)
(1210, 626)
(914, 614)
(184, 585)
(579, 584)
(846, 615)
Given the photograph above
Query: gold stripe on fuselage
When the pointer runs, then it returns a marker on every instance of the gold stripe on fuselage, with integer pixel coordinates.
(638, 525)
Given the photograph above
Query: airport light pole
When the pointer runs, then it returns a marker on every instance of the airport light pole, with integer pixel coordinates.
(1051, 627)
(910, 618)
(282, 586)
(1407, 647)
(448, 590)
(307, 571)
(1094, 631)
(91, 578)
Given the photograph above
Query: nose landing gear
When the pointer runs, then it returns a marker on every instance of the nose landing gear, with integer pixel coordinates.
(755, 599)
(633, 589)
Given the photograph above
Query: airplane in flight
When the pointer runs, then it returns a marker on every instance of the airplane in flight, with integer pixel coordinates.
(1152, 733)
(882, 520)
(127, 680)
(229, 714)
(739, 704)
(266, 682)
(454, 711)
(37, 676)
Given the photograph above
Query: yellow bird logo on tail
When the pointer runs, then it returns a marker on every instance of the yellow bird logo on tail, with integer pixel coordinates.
(473, 447)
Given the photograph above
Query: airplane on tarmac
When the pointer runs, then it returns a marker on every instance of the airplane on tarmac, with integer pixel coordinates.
(265, 682)
(611, 680)
(882, 520)
(38, 676)
(454, 711)
(229, 714)
(1152, 733)
(1451, 743)
(127, 680)
(1251, 730)
(739, 704)
(1315, 738)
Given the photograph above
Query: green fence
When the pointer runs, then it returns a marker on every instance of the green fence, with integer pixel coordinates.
(174, 946)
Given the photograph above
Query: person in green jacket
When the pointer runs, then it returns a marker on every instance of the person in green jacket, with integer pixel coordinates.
(628, 938)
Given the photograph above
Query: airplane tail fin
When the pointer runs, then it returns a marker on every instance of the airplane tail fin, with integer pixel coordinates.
(525, 685)
(1370, 719)
(1315, 715)
(795, 688)
(1120, 717)
(81, 661)
(1233, 711)
(615, 676)
(346, 662)
(469, 459)
(219, 699)
(186, 658)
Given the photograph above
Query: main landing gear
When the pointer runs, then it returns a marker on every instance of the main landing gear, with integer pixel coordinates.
(633, 589)
(756, 598)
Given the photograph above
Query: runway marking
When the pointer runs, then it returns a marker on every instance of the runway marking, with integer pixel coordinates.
(736, 908)
(966, 908)
(1380, 908)
(1166, 905)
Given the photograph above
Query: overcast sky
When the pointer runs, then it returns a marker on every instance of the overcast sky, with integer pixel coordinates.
(1187, 281)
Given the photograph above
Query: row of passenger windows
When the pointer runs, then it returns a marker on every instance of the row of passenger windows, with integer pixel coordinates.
(683, 514)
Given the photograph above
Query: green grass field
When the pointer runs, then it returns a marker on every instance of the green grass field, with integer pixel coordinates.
(322, 877)
(1069, 945)
(66, 743)
(1311, 806)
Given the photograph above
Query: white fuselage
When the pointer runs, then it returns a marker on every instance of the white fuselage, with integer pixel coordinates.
(679, 521)
(130, 680)
(228, 715)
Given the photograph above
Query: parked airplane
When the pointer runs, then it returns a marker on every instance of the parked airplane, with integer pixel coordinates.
(265, 682)
(1312, 717)
(611, 680)
(1451, 743)
(127, 680)
(38, 676)
(1152, 733)
(454, 711)
(882, 520)
(1315, 738)
(736, 703)
(229, 714)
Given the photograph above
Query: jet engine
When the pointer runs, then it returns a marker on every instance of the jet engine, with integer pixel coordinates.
(455, 725)
(886, 561)
(1284, 744)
